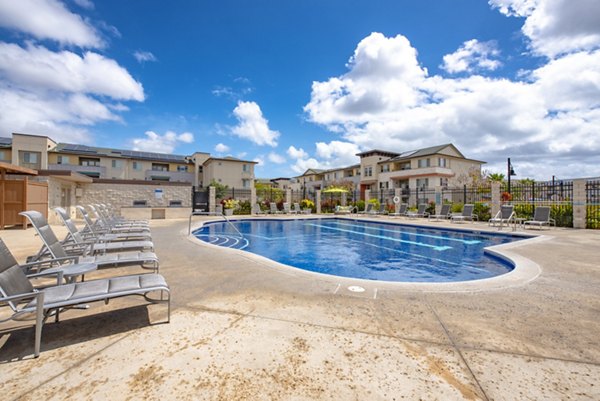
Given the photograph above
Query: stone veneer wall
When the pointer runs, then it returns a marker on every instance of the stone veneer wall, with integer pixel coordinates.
(122, 195)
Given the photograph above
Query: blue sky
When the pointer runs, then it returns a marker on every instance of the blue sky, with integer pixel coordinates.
(300, 84)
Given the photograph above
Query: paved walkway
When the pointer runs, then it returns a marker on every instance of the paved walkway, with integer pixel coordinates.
(244, 329)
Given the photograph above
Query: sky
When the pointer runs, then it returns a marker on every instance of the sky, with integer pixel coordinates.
(301, 84)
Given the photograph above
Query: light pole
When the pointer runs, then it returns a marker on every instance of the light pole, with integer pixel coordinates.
(511, 172)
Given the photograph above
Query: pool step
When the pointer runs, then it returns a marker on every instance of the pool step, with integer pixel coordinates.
(224, 240)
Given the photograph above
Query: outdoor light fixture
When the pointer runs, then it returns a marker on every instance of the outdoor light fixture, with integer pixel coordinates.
(511, 172)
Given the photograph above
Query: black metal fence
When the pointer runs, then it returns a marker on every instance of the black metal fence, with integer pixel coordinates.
(592, 200)
(557, 194)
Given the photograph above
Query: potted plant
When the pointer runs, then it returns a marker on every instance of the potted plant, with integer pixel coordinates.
(229, 205)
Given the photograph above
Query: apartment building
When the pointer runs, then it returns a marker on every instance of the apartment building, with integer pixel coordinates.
(442, 165)
(199, 169)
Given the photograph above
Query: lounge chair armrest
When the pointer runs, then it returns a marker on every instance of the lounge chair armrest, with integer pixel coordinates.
(41, 263)
(58, 273)
(24, 296)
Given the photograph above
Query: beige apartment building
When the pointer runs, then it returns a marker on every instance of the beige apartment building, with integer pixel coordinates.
(199, 169)
(436, 166)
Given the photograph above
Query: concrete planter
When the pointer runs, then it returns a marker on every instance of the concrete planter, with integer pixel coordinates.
(228, 212)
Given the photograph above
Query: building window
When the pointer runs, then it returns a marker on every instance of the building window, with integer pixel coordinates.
(245, 168)
(2, 155)
(443, 182)
(424, 163)
(30, 159)
(62, 159)
(246, 183)
(442, 162)
(182, 169)
(160, 167)
(83, 161)
(422, 183)
(117, 164)
(137, 166)
(385, 168)
(368, 171)
(384, 185)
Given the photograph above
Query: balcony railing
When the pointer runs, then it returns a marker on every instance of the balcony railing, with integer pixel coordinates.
(175, 176)
(80, 169)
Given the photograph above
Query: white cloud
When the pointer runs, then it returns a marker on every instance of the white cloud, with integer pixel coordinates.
(61, 91)
(37, 68)
(221, 148)
(143, 56)
(276, 158)
(87, 4)
(48, 19)
(386, 100)
(252, 125)
(296, 153)
(161, 143)
(556, 27)
(260, 160)
(472, 55)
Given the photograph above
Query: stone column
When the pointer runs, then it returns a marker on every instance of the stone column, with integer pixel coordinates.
(438, 199)
(398, 194)
(579, 204)
(496, 199)
(212, 199)
(288, 196)
(252, 198)
(318, 201)
(344, 199)
(367, 195)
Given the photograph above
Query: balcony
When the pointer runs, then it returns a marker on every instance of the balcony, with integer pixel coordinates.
(173, 176)
(417, 172)
(92, 171)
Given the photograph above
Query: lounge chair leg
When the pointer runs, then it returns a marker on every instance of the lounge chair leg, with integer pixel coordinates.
(39, 322)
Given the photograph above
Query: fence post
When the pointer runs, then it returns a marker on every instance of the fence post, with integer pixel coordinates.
(318, 201)
(464, 194)
(212, 199)
(579, 204)
(252, 198)
(495, 198)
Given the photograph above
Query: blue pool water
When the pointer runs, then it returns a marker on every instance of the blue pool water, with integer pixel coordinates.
(366, 250)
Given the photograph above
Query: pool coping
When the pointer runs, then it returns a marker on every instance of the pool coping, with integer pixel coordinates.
(525, 270)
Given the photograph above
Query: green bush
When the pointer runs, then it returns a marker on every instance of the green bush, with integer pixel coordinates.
(482, 210)
(244, 207)
(456, 208)
(360, 205)
(375, 203)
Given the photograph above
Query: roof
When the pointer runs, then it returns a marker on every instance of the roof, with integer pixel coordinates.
(67, 175)
(5, 142)
(432, 150)
(311, 171)
(230, 159)
(12, 169)
(118, 153)
(374, 152)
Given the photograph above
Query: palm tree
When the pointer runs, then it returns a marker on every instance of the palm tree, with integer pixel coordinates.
(496, 177)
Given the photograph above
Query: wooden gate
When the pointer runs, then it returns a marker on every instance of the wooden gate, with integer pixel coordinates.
(19, 195)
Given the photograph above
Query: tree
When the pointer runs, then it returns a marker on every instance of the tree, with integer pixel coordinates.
(495, 177)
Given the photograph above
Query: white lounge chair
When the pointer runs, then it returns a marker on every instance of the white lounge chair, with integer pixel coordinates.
(55, 248)
(505, 215)
(467, 214)
(541, 217)
(18, 292)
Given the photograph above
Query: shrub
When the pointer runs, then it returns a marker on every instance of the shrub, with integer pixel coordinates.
(375, 203)
(456, 208)
(430, 208)
(244, 207)
(360, 205)
(482, 210)
(308, 204)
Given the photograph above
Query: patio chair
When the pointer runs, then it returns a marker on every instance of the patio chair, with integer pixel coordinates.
(467, 214)
(541, 217)
(257, 210)
(55, 248)
(110, 214)
(100, 227)
(286, 208)
(443, 214)
(368, 209)
(95, 243)
(505, 215)
(64, 268)
(273, 208)
(104, 235)
(295, 208)
(343, 209)
(382, 210)
(400, 210)
(18, 292)
(421, 211)
(115, 224)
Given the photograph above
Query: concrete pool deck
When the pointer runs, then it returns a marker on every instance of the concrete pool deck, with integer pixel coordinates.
(244, 329)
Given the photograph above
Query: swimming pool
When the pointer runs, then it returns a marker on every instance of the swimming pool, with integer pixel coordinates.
(365, 249)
